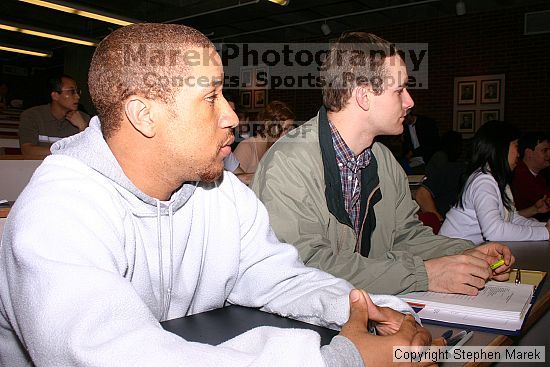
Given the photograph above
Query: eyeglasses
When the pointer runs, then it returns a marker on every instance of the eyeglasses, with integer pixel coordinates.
(72, 91)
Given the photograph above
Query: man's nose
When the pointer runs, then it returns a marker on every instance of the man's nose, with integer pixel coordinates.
(229, 118)
(408, 102)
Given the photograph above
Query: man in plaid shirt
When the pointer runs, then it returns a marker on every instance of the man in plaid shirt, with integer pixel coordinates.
(344, 201)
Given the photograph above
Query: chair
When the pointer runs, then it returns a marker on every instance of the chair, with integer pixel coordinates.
(16, 174)
(431, 220)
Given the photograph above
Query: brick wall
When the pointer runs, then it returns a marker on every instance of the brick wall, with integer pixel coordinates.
(473, 44)
(304, 103)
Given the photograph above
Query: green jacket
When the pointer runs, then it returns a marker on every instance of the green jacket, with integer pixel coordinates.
(290, 182)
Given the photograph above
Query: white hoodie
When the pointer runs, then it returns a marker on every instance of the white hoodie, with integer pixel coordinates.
(89, 265)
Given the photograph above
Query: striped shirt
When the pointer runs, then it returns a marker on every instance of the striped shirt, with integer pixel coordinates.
(350, 167)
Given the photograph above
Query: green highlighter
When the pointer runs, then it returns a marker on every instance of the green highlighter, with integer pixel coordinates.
(497, 264)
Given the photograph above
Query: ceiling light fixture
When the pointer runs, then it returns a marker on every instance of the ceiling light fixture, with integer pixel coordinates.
(26, 51)
(213, 11)
(280, 2)
(325, 29)
(399, 6)
(93, 14)
(39, 33)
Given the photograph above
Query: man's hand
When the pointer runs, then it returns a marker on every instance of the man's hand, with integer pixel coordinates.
(463, 274)
(491, 252)
(378, 350)
(75, 118)
(541, 206)
(388, 321)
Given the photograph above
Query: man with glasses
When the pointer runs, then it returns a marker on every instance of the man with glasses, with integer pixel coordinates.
(41, 126)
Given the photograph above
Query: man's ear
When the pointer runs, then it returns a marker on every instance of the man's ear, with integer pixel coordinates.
(138, 112)
(55, 96)
(362, 97)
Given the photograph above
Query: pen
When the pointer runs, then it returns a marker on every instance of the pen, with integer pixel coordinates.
(464, 339)
(447, 334)
(518, 277)
(456, 338)
(497, 264)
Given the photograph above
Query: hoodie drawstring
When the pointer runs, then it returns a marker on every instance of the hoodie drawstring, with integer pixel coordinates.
(171, 226)
(161, 275)
(165, 298)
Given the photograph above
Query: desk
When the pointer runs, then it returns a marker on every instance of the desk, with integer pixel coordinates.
(9, 125)
(16, 173)
(9, 141)
(10, 122)
(530, 255)
(217, 326)
(5, 209)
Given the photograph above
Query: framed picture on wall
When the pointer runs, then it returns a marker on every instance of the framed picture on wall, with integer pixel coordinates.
(466, 121)
(466, 93)
(261, 78)
(488, 115)
(246, 99)
(490, 91)
(259, 98)
(477, 99)
(246, 77)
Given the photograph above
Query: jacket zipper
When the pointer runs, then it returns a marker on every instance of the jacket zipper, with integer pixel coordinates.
(360, 236)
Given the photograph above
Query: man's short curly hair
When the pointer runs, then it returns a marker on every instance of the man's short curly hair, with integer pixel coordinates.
(149, 60)
(355, 59)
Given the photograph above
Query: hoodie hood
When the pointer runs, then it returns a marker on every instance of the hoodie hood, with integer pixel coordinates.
(90, 148)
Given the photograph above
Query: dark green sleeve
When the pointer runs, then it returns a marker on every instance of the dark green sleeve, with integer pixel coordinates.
(28, 128)
(293, 194)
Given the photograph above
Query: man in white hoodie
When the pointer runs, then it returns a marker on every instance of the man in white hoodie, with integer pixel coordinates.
(131, 222)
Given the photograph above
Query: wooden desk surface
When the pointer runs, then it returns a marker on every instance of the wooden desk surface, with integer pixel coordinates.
(5, 210)
(21, 157)
(8, 127)
(9, 135)
(10, 121)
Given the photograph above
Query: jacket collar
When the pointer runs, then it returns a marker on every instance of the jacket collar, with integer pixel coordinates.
(333, 186)
(370, 191)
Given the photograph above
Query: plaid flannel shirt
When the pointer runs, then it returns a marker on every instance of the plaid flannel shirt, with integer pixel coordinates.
(350, 167)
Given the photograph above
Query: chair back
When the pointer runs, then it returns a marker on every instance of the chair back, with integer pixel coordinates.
(15, 174)
(430, 220)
